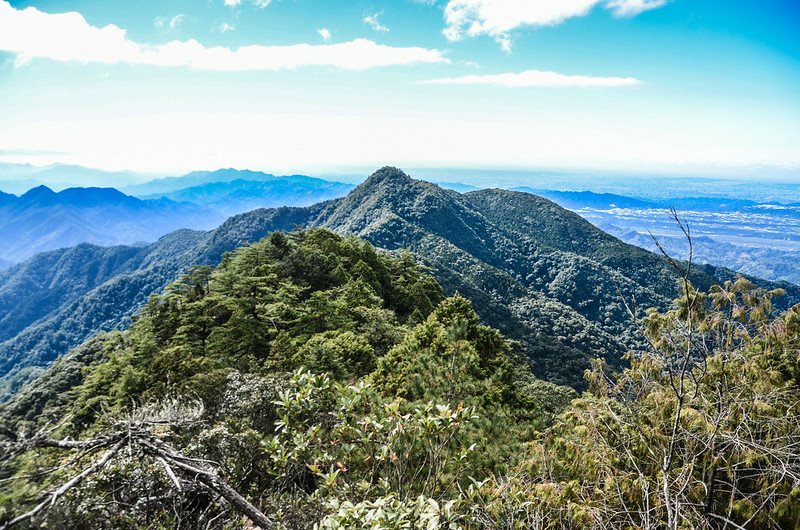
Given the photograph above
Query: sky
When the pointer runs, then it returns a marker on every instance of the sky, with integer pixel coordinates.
(309, 86)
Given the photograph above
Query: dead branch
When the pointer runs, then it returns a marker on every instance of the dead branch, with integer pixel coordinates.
(64, 488)
(137, 436)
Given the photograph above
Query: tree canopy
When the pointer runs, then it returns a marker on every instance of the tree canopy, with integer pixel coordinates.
(311, 381)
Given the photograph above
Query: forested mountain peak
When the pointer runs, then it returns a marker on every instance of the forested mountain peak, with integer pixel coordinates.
(392, 210)
(388, 174)
(388, 188)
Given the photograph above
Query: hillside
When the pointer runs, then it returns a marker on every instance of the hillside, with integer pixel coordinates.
(76, 315)
(539, 273)
(312, 381)
(244, 337)
(39, 286)
(42, 220)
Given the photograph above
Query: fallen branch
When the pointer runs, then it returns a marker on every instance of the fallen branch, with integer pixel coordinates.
(173, 462)
(71, 483)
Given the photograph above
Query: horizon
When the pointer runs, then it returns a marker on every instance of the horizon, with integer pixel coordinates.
(637, 186)
(650, 87)
(354, 174)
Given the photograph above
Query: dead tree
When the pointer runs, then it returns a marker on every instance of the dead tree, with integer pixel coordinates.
(135, 434)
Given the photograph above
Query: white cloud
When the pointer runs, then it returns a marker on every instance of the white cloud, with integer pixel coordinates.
(374, 22)
(171, 23)
(258, 3)
(33, 34)
(536, 78)
(325, 34)
(631, 8)
(497, 18)
(225, 27)
(175, 21)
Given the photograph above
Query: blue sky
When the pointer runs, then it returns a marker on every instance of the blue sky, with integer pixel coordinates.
(666, 86)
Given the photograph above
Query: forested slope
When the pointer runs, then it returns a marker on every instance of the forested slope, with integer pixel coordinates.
(313, 381)
(82, 309)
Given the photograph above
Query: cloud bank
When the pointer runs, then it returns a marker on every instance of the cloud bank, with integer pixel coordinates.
(33, 34)
(496, 18)
(536, 78)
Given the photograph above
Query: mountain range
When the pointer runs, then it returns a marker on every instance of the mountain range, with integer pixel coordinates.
(761, 238)
(42, 219)
(589, 199)
(168, 185)
(230, 197)
(543, 275)
(19, 178)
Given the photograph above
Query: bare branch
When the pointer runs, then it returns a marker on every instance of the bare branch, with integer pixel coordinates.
(71, 483)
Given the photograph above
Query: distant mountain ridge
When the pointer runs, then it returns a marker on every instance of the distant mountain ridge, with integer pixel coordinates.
(19, 178)
(757, 238)
(43, 220)
(590, 199)
(582, 199)
(543, 275)
(240, 195)
(195, 178)
(167, 185)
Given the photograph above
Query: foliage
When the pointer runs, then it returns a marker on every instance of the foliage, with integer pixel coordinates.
(700, 432)
(394, 393)
(308, 299)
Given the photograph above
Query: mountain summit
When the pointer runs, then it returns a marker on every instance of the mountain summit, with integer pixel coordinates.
(388, 175)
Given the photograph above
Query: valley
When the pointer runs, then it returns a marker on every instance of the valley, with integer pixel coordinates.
(762, 239)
